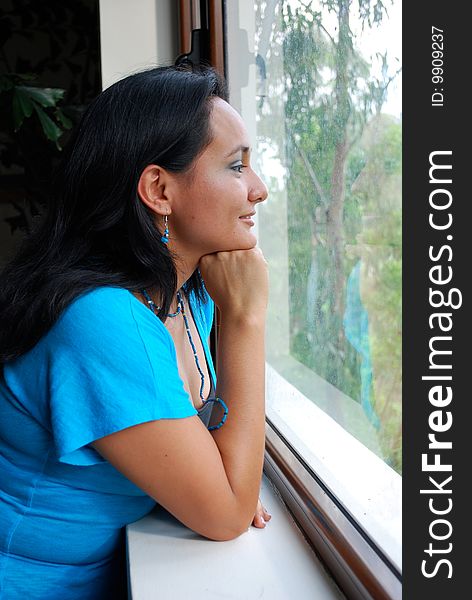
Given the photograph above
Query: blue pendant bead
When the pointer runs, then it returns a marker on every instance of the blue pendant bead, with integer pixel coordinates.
(181, 309)
(165, 237)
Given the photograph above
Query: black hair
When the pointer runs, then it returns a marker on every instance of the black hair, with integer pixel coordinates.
(96, 231)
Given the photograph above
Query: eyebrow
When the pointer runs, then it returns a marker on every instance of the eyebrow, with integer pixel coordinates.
(238, 149)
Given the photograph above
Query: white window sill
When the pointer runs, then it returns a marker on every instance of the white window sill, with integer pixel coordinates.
(369, 489)
(169, 561)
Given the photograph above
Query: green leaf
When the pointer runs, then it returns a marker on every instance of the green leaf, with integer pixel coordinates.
(18, 114)
(22, 106)
(24, 101)
(63, 120)
(51, 130)
(47, 97)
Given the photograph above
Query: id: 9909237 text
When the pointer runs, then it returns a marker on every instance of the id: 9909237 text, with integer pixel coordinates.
(437, 64)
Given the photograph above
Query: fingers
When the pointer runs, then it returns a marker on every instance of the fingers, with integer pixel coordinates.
(261, 516)
(237, 281)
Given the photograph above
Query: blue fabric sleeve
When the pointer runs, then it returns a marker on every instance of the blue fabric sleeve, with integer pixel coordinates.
(112, 365)
(209, 310)
(203, 312)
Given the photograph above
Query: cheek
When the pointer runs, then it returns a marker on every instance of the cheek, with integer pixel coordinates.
(217, 199)
(210, 208)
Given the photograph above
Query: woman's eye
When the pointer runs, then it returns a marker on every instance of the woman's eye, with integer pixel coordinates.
(238, 168)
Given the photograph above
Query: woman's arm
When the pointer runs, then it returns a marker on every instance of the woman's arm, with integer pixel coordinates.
(241, 439)
(210, 481)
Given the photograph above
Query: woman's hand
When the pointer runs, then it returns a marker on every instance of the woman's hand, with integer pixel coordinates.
(237, 281)
(261, 516)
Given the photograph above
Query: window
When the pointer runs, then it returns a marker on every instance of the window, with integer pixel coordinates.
(319, 84)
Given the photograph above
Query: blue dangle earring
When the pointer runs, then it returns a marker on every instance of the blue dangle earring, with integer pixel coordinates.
(165, 237)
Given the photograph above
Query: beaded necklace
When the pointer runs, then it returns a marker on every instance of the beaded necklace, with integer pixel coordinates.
(181, 309)
(155, 309)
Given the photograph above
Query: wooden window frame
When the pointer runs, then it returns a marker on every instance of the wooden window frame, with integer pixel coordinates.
(203, 14)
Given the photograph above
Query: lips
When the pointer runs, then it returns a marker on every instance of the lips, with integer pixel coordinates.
(248, 216)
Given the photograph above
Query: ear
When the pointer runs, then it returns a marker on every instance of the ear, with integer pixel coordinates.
(152, 189)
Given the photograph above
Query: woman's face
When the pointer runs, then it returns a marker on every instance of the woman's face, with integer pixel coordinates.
(211, 211)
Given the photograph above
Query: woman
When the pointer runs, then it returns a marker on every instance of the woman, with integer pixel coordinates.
(108, 383)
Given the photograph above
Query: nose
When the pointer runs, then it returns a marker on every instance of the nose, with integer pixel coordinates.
(258, 191)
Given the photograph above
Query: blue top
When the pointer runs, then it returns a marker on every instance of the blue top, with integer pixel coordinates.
(108, 363)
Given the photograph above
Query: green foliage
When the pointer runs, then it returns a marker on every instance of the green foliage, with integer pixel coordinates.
(343, 160)
(25, 101)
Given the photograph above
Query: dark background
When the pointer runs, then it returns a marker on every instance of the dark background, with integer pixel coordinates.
(53, 44)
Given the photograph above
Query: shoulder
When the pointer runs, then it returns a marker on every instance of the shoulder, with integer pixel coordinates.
(104, 302)
(107, 315)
